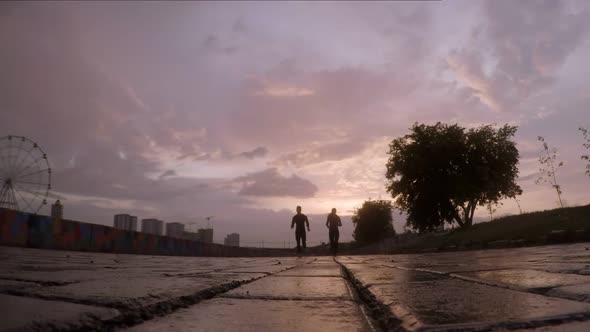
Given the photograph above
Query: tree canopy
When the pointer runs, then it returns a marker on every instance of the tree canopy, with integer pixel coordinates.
(441, 173)
(373, 221)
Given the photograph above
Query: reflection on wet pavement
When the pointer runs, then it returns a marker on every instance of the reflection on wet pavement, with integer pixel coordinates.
(527, 289)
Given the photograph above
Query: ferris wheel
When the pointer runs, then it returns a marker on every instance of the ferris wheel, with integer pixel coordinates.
(25, 175)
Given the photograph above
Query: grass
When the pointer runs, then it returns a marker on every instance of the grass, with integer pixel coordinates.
(563, 225)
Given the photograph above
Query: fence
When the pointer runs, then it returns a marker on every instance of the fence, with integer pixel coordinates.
(35, 231)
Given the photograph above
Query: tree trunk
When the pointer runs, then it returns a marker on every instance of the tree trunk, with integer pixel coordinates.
(468, 211)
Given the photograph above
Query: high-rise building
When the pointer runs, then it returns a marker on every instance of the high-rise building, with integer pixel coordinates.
(205, 235)
(202, 235)
(57, 210)
(125, 221)
(232, 240)
(191, 236)
(175, 229)
(152, 226)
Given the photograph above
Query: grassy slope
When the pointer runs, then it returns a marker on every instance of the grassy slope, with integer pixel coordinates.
(537, 228)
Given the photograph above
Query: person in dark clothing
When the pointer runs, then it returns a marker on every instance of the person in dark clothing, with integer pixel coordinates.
(333, 222)
(300, 220)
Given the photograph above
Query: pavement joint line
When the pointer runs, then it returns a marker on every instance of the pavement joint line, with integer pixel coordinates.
(24, 293)
(209, 293)
(130, 316)
(42, 283)
(378, 313)
(539, 291)
(508, 325)
(308, 276)
(284, 298)
(362, 308)
(411, 323)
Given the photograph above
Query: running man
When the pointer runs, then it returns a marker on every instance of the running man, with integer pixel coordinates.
(300, 220)
(333, 222)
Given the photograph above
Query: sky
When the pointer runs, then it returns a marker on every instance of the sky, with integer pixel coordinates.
(244, 110)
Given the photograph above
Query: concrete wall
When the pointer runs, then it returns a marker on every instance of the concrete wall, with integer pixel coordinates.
(27, 230)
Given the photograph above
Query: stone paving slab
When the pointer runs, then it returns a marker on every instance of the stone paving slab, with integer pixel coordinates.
(458, 268)
(325, 288)
(573, 292)
(575, 268)
(227, 276)
(126, 293)
(21, 314)
(313, 270)
(528, 279)
(64, 276)
(454, 301)
(376, 274)
(568, 327)
(251, 315)
(287, 288)
(269, 269)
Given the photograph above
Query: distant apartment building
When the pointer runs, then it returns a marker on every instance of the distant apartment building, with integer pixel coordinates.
(205, 235)
(152, 226)
(191, 236)
(232, 240)
(175, 229)
(57, 210)
(202, 235)
(125, 221)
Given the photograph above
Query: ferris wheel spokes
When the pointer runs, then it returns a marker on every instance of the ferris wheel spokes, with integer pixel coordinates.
(25, 175)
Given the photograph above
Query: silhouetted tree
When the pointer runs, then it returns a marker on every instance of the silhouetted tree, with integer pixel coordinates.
(586, 145)
(549, 166)
(373, 221)
(441, 173)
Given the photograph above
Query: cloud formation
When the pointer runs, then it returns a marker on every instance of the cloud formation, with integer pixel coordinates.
(189, 109)
(270, 183)
(517, 50)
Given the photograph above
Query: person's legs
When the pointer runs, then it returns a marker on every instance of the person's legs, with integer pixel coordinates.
(331, 235)
(298, 239)
(303, 236)
(336, 237)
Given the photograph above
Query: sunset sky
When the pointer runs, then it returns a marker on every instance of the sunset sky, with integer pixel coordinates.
(244, 110)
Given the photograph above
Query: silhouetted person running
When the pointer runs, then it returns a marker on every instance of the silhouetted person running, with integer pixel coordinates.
(300, 220)
(333, 222)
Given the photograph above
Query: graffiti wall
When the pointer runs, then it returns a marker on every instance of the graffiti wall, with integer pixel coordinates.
(27, 230)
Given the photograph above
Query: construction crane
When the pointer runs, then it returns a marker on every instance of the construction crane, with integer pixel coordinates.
(199, 224)
(209, 221)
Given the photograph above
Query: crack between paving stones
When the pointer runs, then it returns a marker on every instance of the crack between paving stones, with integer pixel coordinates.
(132, 316)
(538, 290)
(377, 314)
(284, 298)
(508, 325)
(42, 283)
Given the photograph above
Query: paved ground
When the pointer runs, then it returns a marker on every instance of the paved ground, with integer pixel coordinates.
(529, 289)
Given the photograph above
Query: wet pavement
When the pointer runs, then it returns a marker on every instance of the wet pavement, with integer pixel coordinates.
(527, 289)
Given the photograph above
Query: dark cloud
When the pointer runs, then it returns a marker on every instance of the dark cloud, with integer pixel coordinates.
(321, 153)
(167, 173)
(269, 183)
(256, 153)
(517, 50)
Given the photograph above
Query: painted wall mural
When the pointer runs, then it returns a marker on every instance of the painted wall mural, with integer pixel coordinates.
(35, 231)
